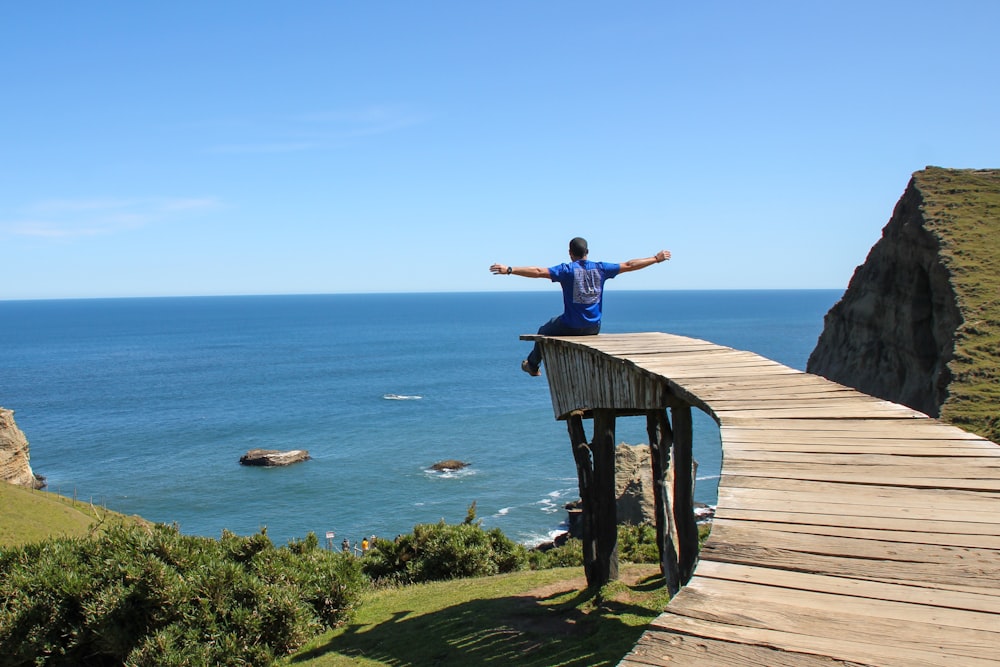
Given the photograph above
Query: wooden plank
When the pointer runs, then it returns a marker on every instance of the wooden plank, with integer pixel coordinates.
(845, 648)
(868, 501)
(922, 477)
(893, 536)
(978, 601)
(736, 434)
(946, 499)
(953, 528)
(663, 649)
(703, 372)
(836, 596)
(912, 428)
(855, 412)
(783, 381)
(941, 463)
(843, 446)
(858, 559)
(898, 629)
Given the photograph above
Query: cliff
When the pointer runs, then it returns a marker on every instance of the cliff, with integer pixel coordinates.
(919, 323)
(14, 466)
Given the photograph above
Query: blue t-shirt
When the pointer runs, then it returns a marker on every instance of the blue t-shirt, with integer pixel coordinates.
(583, 290)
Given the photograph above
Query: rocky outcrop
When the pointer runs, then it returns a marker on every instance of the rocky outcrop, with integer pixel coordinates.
(634, 500)
(14, 460)
(634, 484)
(273, 457)
(892, 333)
(449, 465)
(918, 322)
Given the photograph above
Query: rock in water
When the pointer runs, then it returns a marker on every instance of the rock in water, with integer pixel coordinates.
(450, 464)
(273, 457)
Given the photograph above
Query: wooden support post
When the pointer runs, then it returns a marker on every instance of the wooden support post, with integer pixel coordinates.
(585, 480)
(603, 449)
(660, 441)
(687, 527)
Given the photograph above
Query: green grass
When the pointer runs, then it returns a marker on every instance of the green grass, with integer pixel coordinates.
(962, 208)
(28, 516)
(534, 618)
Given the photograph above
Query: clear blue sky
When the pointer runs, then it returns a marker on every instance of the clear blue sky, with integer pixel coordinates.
(188, 148)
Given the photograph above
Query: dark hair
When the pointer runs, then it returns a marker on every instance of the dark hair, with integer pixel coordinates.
(578, 247)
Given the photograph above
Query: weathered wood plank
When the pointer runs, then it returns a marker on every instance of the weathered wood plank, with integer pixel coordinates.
(661, 649)
(898, 629)
(948, 501)
(844, 648)
(894, 536)
(926, 477)
(856, 559)
(938, 463)
(865, 501)
(953, 528)
(920, 429)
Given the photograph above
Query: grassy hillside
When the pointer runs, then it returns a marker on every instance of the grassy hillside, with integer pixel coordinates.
(962, 208)
(28, 516)
(533, 618)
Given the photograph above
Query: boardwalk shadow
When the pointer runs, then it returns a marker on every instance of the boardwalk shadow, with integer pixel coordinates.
(528, 631)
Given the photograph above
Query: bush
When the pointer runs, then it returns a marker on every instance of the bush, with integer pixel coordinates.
(440, 551)
(636, 544)
(150, 596)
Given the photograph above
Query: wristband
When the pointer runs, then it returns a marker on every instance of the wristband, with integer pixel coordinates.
(509, 269)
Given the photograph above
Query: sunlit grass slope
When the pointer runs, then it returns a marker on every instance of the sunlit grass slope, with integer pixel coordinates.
(962, 208)
(539, 618)
(28, 516)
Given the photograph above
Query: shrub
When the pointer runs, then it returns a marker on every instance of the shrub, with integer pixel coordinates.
(636, 544)
(150, 596)
(440, 551)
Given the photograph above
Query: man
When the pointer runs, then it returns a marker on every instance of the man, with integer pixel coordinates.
(582, 284)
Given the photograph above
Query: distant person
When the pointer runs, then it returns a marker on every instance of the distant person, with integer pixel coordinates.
(364, 545)
(582, 284)
(345, 545)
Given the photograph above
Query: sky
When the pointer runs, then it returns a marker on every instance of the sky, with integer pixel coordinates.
(210, 148)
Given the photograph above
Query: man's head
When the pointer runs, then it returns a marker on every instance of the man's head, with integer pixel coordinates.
(578, 248)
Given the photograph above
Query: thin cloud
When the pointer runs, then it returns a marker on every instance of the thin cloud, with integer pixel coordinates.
(322, 130)
(76, 218)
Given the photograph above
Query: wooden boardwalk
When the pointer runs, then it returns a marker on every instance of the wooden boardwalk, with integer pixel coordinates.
(849, 530)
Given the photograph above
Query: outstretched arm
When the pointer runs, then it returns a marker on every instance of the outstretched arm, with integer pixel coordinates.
(525, 271)
(642, 263)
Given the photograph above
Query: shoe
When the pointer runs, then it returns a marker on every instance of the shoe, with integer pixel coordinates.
(529, 369)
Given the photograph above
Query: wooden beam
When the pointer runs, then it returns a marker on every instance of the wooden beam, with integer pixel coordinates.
(585, 480)
(683, 505)
(603, 449)
(660, 441)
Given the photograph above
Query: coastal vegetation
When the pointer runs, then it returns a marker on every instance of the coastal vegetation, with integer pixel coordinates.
(147, 595)
(97, 588)
(962, 208)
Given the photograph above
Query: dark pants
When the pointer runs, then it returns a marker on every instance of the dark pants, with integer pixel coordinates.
(556, 327)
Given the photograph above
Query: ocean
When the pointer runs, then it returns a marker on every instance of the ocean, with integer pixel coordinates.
(145, 405)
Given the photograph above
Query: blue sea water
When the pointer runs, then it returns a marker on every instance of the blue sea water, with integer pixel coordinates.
(146, 405)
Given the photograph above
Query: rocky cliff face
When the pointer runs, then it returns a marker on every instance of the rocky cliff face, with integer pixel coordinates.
(892, 333)
(634, 484)
(14, 466)
(913, 314)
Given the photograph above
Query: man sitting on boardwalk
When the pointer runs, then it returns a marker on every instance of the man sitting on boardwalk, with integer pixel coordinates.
(582, 284)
